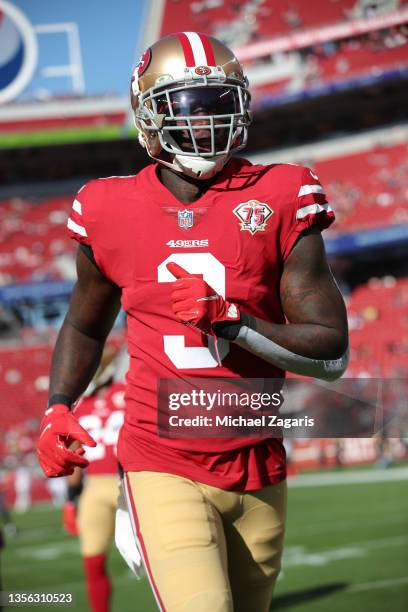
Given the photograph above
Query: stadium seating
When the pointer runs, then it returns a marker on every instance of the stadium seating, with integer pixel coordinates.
(24, 380)
(379, 329)
(367, 190)
(33, 241)
(355, 58)
(243, 21)
(325, 65)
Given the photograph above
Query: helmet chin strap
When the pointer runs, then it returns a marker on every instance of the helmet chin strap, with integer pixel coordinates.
(194, 166)
(200, 168)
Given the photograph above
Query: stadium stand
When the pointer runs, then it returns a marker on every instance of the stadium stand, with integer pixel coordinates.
(329, 64)
(245, 21)
(34, 244)
(24, 378)
(28, 365)
(378, 319)
(367, 189)
(374, 54)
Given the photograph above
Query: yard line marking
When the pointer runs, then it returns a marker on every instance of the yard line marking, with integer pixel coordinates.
(377, 584)
(50, 552)
(300, 555)
(303, 557)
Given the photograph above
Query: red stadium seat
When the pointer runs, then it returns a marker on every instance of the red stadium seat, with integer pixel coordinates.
(367, 190)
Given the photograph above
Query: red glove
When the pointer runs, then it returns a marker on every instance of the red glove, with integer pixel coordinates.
(194, 302)
(58, 429)
(69, 518)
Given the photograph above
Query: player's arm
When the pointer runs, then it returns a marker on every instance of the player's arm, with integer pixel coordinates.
(93, 308)
(315, 342)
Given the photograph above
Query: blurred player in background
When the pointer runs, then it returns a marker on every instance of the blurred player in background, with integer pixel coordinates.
(22, 485)
(6, 521)
(58, 492)
(92, 495)
(208, 254)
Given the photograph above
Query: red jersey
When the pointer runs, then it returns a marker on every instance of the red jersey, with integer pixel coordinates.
(237, 235)
(102, 415)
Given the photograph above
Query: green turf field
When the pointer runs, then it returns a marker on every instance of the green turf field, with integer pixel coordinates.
(346, 550)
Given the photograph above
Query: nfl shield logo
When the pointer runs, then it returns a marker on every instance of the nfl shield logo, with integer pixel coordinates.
(185, 218)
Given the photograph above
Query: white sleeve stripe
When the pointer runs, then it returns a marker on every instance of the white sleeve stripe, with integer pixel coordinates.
(77, 206)
(312, 209)
(78, 229)
(306, 189)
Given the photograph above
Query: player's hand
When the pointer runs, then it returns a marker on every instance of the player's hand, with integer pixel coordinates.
(58, 429)
(196, 303)
(69, 518)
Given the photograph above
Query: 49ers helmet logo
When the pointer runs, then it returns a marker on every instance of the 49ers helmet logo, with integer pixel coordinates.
(202, 70)
(144, 62)
(253, 215)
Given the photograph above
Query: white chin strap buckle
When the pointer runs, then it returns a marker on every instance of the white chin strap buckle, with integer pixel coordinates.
(199, 167)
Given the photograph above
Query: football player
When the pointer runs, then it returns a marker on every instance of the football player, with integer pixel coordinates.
(220, 267)
(92, 496)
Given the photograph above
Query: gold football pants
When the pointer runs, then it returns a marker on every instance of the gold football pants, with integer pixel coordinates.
(96, 514)
(206, 549)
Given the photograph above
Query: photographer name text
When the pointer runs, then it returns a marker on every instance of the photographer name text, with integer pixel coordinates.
(240, 421)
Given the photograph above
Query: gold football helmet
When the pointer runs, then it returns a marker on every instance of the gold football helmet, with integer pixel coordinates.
(191, 103)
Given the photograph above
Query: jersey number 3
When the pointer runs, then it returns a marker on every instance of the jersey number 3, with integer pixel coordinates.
(213, 272)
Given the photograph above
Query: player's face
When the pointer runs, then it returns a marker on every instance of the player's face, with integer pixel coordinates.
(208, 104)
